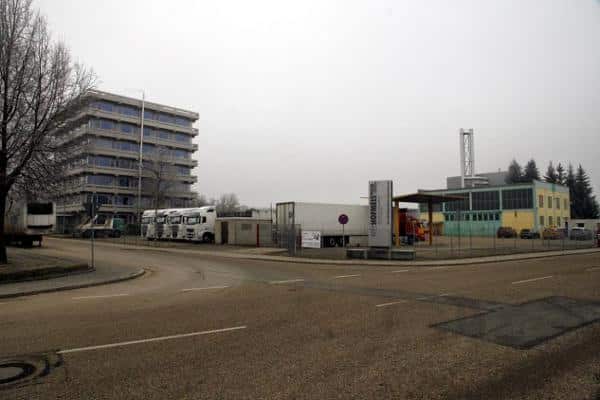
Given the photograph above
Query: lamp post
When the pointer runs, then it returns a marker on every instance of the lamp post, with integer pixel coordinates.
(140, 164)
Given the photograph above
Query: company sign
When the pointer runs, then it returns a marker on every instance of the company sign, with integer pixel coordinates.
(311, 239)
(380, 213)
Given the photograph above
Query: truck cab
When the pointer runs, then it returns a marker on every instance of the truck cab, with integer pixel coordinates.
(156, 228)
(174, 228)
(200, 224)
(148, 223)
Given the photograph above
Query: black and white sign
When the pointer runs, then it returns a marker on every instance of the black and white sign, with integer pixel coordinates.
(380, 214)
(311, 239)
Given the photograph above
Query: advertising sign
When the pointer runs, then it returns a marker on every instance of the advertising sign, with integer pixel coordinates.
(311, 239)
(380, 214)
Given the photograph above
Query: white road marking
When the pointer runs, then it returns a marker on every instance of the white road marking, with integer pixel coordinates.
(391, 304)
(345, 276)
(532, 280)
(100, 296)
(432, 268)
(288, 281)
(422, 298)
(155, 339)
(445, 294)
(399, 270)
(204, 288)
(592, 269)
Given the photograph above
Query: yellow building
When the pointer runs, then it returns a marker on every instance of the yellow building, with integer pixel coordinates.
(535, 205)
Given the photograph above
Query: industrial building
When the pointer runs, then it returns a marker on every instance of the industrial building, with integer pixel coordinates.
(489, 202)
(110, 145)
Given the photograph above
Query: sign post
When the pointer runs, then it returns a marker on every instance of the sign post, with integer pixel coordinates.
(343, 220)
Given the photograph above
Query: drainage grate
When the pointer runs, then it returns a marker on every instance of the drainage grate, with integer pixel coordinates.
(529, 324)
(22, 370)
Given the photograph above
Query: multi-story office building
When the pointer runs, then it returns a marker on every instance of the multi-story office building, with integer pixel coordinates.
(107, 137)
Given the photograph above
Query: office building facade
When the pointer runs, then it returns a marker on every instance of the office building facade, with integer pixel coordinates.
(107, 136)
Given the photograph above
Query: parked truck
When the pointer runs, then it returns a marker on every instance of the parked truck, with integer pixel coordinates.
(26, 222)
(324, 218)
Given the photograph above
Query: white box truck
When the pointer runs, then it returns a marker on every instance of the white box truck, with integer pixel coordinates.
(324, 218)
(27, 222)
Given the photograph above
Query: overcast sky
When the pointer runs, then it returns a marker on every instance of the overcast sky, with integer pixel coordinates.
(309, 100)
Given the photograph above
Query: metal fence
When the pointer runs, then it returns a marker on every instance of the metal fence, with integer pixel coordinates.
(287, 237)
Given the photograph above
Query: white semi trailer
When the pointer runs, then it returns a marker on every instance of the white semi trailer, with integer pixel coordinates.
(324, 218)
(27, 222)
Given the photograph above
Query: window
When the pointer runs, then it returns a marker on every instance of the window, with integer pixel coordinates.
(123, 181)
(164, 135)
(149, 114)
(106, 124)
(104, 199)
(489, 200)
(566, 206)
(458, 204)
(129, 110)
(540, 201)
(497, 216)
(558, 221)
(184, 171)
(104, 106)
(549, 203)
(102, 161)
(166, 118)
(182, 121)
(515, 199)
(101, 142)
(203, 220)
(550, 220)
(127, 128)
(148, 132)
(124, 201)
(39, 208)
(126, 163)
(541, 220)
(467, 217)
(148, 148)
(557, 203)
(485, 216)
(127, 146)
(100, 180)
(180, 153)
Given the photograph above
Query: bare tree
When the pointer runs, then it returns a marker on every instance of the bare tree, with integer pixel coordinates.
(40, 90)
(161, 176)
(227, 203)
(200, 201)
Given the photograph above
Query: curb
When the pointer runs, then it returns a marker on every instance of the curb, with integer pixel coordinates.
(46, 273)
(79, 286)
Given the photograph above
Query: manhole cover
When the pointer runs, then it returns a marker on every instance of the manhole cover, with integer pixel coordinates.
(22, 370)
(529, 324)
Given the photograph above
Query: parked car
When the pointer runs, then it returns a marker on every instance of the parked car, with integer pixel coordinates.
(529, 234)
(506, 232)
(552, 234)
(578, 233)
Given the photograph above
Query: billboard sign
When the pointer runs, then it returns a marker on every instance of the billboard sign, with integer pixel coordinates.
(380, 214)
(311, 239)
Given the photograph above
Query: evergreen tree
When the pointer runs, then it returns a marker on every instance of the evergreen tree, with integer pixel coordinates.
(551, 176)
(560, 174)
(515, 172)
(570, 182)
(531, 171)
(584, 203)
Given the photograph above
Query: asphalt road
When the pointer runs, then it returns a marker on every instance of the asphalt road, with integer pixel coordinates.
(198, 327)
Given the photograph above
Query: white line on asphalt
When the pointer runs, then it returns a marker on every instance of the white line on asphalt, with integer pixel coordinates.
(445, 294)
(156, 339)
(593, 269)
(345, 276)
(288, 281)
(391, 304)
(533, 279)
(399, 270)
(204, 288)
(432, 268)
(422, 298)
(100, 296)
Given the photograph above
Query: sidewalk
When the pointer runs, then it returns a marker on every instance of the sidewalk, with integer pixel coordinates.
(28, 273)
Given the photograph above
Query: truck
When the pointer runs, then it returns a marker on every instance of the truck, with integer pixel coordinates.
(323, 218)
(101, 226)
(174, 228)
(200, 223)
(26, 222)
(148, 223)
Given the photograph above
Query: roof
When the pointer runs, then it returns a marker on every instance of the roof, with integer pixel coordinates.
(422, 197)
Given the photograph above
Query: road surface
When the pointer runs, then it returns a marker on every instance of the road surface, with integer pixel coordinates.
(202, 327)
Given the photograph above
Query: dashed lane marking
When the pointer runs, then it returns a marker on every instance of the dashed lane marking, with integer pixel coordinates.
(532, 280)
(286, 281)
(204, 288)
(149, 340)
(345, 276)
(399, 270)
(391, 304)
(103, 296)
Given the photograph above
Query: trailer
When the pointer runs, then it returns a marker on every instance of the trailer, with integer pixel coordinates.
(324, 218)
(27, 222)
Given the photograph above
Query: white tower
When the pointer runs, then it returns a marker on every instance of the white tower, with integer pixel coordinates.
(467, 156)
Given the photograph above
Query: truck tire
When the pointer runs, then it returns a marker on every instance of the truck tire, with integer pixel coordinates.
(207, 238)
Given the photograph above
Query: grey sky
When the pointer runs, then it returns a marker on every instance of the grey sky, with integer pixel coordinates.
(308, 100)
